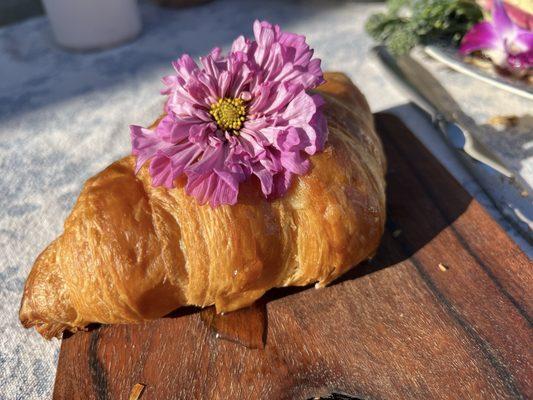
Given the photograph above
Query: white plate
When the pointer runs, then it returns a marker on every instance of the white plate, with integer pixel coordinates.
(451, 57)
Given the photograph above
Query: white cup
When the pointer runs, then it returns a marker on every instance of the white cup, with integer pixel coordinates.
(93, 24)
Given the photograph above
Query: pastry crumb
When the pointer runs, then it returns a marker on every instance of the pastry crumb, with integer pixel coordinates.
(504, 121)
(443, 267)
(137, 391)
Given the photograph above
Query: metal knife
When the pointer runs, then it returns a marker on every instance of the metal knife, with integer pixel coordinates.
(509, 193)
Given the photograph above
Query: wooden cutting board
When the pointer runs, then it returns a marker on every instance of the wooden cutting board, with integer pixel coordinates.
(442, 312)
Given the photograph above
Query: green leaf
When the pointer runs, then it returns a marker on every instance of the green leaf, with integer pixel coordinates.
(428, 20)
(401, 41)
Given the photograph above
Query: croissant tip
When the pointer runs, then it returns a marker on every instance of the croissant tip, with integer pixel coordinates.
(25, 314)
(29, 319)
(45, 329)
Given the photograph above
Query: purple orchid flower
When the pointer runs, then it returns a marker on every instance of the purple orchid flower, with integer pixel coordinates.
(504, 42)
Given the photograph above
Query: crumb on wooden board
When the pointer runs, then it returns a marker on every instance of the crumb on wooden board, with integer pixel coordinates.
(137, 391)
(505, 121)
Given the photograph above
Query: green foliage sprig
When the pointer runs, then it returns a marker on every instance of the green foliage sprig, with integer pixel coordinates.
(410, 22)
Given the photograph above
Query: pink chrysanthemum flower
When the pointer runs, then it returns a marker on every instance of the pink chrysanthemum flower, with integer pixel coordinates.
(236, 116)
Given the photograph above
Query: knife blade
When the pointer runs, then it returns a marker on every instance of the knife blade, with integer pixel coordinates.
(509, 193)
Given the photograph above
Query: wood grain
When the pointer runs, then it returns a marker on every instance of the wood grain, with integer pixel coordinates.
(398, 327)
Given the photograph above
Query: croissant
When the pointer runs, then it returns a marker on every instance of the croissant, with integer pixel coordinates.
(132, 252)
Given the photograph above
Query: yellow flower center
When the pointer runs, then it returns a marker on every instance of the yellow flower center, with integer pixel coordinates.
(229, 114)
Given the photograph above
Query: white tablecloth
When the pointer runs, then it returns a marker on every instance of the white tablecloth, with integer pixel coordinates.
(64, 116)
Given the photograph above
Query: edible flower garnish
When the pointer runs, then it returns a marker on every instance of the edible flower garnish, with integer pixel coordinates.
(236, 116)
(505, 43)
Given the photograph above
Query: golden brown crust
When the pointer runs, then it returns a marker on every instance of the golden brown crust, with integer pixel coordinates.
(131, 252)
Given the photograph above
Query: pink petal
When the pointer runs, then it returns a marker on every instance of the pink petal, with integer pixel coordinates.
(319, 124)
(315, 70)
(521, 61)
(161, 172)
(282, 182)
(185, 66)
(274, 62)
(524, 41)
(201, 186)
(272, 161)
(264, 33)
(294, 162)
(520, 51)
(266, 36)
(240, 78)
(170, 82)
(199, 133)
(500, 20)
(224, 193)
(188, 95)
(271, 133)
(261, 97)
(241, 44)
(170, 162)
(299, 53)
(144, 144)
(209, 181)
(266, 178)
(250, 142)
(224, 81)
(212, 158)
(300, 109)
(281, 97)
(172, 129)
(210, 62)
(295, 75)
(292, 139)
(181, 156)
(481, 36)
(203, 88)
